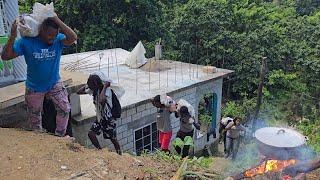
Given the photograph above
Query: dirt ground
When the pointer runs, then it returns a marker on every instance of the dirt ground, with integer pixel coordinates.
(29, 155)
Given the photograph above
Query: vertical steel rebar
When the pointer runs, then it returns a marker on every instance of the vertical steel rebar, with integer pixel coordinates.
(108, 67)
(150, 74)
(115, 54)
(197, 59)
(175, 72)
(167, 72)
(159, 73)
(181, 63)
(189, 62)
(136, 76)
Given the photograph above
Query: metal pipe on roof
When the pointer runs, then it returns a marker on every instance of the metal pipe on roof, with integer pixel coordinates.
(159, 73)
(77, 55)
(115, 53)
(175, 72)
(136, 76)
(168, 73)
(181, 49)
(108, 67)
(207, 63)
(150, 73)
(189, 70)
(197, 59)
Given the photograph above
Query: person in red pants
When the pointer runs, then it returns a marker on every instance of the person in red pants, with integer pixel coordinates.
(163, 103)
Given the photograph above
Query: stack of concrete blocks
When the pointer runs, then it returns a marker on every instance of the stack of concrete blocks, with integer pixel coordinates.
(143, 113)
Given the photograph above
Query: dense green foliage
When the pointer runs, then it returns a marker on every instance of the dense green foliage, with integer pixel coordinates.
(224, 33)
(312, 130)
(104, 24)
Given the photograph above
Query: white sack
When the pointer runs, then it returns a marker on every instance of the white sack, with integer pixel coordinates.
(29, 24)
(183, 102)
(137, 57)
(119, 90)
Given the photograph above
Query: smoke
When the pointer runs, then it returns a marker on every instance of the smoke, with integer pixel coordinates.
(248, 155)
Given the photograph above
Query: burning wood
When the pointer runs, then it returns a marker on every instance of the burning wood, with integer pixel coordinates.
(286, 169)
(302, 167)
(269, 165)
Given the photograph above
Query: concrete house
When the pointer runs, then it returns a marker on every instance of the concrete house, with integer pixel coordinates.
(136, 129)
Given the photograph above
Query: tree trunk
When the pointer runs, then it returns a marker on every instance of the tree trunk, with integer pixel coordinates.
(259, 99)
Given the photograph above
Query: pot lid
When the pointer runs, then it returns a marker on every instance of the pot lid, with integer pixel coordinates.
(280, 137)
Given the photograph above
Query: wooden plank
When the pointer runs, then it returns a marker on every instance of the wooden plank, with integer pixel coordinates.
(14, 94)
(182, 168)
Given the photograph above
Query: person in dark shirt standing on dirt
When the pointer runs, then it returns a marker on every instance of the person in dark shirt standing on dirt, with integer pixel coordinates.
(42, 55)
(108, 109)
(222, 132)
(233, 133)
(163, 103)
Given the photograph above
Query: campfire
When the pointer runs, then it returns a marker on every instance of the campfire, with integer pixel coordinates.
(280, 149)
(269, 166)
(280, 169)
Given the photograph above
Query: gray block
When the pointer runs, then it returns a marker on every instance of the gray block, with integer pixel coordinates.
(149, 105)
(136, 116)
(126, 120)
(128, 146)
(146, 112)
(153, 110)
(131, 111)
(123, 141)
(123, 114)
(141, 108)
(122, 128)
(130, 138)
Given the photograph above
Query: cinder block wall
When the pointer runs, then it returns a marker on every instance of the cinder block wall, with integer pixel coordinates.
(14, 116)
(143, 113)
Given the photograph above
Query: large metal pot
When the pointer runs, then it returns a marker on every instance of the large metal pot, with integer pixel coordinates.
(280, 143)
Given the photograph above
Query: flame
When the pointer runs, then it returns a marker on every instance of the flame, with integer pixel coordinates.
(269, 165)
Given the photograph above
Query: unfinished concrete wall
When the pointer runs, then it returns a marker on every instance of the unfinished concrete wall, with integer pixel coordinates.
(143, 113)
(16, 115)
(13, 116)
(215, 87)
(194, 96)
(132, 118)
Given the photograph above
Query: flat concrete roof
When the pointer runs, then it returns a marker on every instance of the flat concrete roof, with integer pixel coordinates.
(139, 85)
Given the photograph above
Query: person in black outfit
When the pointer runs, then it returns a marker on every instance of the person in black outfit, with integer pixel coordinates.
(106, 122)
(222, 132)
(49, 118)
(186, 129)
